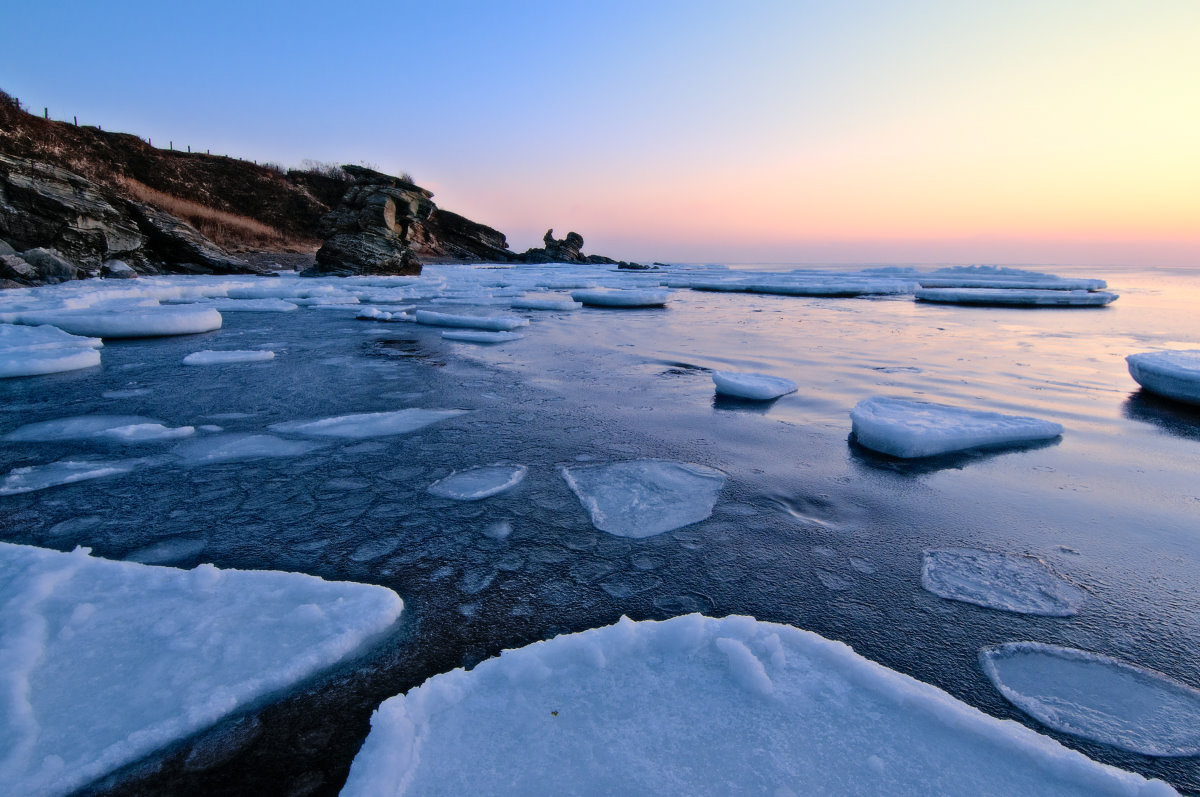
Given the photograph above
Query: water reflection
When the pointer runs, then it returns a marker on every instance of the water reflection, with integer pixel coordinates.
(1173, 417)
(733, 404)
(869, 459)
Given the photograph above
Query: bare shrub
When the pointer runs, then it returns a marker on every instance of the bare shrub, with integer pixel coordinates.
(226, 229)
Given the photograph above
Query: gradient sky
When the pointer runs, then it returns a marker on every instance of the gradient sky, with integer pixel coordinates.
(1017, 132)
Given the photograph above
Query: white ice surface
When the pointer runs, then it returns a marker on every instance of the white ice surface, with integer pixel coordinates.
(40, 477)
(367, 424)
(480, 336)
(238, 446)
(1174, 374)
(905, 428)
(545, 302)
(759, 387)
(1013, 296)
(37, 350)
(210, 357)
(105, 661)
(253, 305)
(474, 484)
(1008, 582)
(129, 322)
(494, 323)
(644, 497)
(621, 298)
(696, 705)
(123, 428)
(1097, 697)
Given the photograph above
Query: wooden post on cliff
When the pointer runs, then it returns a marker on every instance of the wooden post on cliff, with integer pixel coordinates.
(76, 118)
(46, 111)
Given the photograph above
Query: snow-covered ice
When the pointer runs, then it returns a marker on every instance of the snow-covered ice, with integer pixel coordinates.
(545, 302)
(628, 297)
(375, 314)
(128, 322)
(367, 424)
(494, 323)
(105, 661)
(127, 428)
(1016, 296)
(210, 357)
(697, 705)
(645, 497)
(480, 336)
(474, 484)
(253, 305)
(1097, 697)
(45, 349)
(40, 477)
(758, 387)
(238, 446)
(1009, 582)
(905, 428)
(1174, 374)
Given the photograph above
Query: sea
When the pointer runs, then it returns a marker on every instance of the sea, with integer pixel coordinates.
(811, 529)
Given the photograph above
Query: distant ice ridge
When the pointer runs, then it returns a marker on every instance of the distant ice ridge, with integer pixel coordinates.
(907, 429)
(1174, 374)
(1015, 296)
(1020, 584)
(1097, 697)
(475, 484)
(105, 662)
(480, 336)
(757, 387)
(697, 705)
(494, 323)
(621, 298)
(210, 357)
(367, 424)
(132, 321)
(645, 497)
(45, 349)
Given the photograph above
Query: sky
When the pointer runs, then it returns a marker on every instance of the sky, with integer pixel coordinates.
(820, 132)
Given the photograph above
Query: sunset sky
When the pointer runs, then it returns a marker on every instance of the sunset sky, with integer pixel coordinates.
(1018, 132)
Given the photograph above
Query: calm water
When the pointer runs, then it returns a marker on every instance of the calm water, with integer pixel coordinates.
(810, 530)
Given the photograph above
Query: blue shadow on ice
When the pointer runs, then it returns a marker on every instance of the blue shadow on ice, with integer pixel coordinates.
(1173, 417)
(734, 404)
(874, 460)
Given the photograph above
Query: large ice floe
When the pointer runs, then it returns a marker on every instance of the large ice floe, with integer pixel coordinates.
(602, 297)
(45, 349)
(696, 705)
(756, 387)
(128, 322)
(236, 446)
(120, 428)
(493, 323)
(907, 429)
(105, 662)
(40, 477)
(1016, 296)
(474, 484)
(545, 302)
(367, 424)
(645, 497)
(1174, 374)
(1097, 697)
(210, 357)
(1011, 583)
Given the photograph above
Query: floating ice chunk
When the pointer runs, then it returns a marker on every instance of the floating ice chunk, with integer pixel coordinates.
(474, 484)
(759, 387)
(621, 298)
(233, 446)
(367, 424)
(495, 323)
(168, 551)
(904, 428)
(253, 305)
(1011, 583)
(125, 428)
(545, 303)
(1097, 697)
(40, 477)
(480, 336)
(29, 338)
(697, 705)
(645, 497)
(1013, 296)
(105, 662)
(210, 357)
(1174, 374)
(1045, 283)
(129, 322)
(375, 314)
(37, 350)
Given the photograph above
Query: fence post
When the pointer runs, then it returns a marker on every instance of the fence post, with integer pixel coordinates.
(171, 145)
(76, 118)
(46, 111)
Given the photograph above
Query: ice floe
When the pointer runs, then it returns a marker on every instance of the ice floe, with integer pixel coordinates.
(40, 477)
(474, 484)
(1015, 296)
(905, 428)
(628, 297)
(210, 357)
(697, 705)
(757, 387)
(105, 661)
(375, 314)
(127, 428)
(238, 446)
(129, 322)
(367, 424)
(1174, 374)
(1009, 582)
(545, 303)
(1097, 697)
(494, 323)
(45, 349)
(480, 336)
(644, 497)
